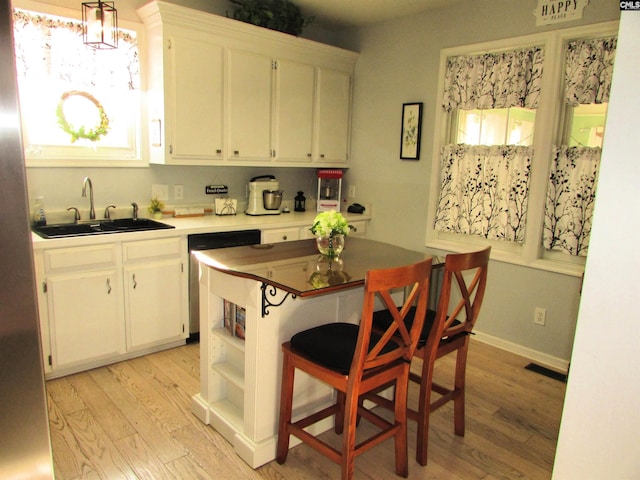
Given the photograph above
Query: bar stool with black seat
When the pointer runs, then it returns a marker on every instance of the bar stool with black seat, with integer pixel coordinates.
(444, 331)
(353, 360)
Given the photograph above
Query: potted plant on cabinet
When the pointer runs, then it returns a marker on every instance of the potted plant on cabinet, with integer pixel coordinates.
(280, 15)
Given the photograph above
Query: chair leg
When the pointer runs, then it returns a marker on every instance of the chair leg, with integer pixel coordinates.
(458, 398)
(424, 409)
(339, 417)
(349, 437)
(286, 404)
(401, 391)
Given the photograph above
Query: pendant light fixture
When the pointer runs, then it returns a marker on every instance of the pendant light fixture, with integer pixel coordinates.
(100, 25)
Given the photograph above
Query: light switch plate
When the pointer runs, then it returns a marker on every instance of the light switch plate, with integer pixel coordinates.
(161, 192)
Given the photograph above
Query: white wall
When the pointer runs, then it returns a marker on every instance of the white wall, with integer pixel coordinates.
(398, 63)
(600, 430)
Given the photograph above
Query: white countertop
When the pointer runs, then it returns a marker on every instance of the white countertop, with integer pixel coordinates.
(191, 225)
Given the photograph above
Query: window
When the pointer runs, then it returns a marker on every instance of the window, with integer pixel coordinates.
(79, 105)
(504, 133)
(499, 126)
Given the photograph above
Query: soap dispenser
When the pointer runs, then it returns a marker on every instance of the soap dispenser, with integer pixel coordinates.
(39, 217)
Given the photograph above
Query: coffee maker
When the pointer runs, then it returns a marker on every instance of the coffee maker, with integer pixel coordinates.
(265, 196)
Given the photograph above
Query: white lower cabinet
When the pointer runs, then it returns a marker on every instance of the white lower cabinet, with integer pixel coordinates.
(86, 318)
(155, 294)
(277, 235)
(104, 303)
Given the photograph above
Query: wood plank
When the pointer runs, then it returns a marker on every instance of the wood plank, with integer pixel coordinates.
(134, 420)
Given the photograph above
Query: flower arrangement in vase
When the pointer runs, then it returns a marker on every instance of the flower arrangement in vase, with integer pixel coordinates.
(330, 228)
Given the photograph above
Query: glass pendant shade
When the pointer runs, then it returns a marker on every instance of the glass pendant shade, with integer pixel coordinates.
(100, 25)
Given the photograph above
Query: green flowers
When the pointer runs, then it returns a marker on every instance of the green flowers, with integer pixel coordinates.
(328, 224)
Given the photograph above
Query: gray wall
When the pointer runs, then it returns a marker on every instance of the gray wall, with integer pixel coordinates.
(398, 63)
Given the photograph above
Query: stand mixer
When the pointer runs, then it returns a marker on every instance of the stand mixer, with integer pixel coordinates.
(265, 196)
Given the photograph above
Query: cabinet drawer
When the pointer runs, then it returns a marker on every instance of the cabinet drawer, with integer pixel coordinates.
(360, 228)
(166, 247)
(95, 256)
(280, 235)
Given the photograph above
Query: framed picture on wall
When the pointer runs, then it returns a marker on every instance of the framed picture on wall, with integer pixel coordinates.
(411, 130)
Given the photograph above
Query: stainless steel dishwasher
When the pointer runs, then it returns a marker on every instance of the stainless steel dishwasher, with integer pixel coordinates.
(208, 241)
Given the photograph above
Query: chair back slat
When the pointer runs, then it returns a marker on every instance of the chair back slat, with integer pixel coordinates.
(471, 293)
(397, 342)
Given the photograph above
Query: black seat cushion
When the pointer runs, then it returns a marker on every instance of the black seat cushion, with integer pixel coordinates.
(382, 319)
(333, 345)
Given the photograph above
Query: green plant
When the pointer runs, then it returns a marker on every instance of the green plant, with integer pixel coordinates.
(280, 15)
(156, 206)
(328, 224)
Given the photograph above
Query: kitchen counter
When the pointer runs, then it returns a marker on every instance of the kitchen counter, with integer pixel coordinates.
(297, 268)
(275, 291)
(192, 225)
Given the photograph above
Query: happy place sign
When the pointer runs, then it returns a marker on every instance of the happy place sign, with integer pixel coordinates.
(556, 11)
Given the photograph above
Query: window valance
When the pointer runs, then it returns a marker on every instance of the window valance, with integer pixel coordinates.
(588, 71)
(494, 80)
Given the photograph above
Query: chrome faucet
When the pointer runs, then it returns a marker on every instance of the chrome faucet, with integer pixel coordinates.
(76, 214)
(135, 210)
(107, 213)
(92, 210)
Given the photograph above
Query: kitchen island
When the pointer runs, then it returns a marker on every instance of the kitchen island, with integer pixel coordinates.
(254, 298)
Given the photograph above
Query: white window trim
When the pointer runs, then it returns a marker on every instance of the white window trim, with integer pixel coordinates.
(142, 159)
(547, 133)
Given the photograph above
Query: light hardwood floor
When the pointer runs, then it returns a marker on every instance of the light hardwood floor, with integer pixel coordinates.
(132, 420)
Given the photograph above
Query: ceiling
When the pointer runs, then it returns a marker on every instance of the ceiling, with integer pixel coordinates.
(352, 13)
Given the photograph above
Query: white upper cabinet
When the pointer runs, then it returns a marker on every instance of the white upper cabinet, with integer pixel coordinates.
(333, 115)
(249, 101)
(223, 92)
(294, 98)
(195, 123)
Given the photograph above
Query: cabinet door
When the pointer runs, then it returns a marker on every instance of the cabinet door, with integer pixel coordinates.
(155, 302)
(250, 89)
(85, 317)
(295, 84)
(334, 107)
(196, 100)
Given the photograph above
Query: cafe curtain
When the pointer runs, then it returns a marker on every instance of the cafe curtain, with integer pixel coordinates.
(493, 80)
(574, 170)
(571, 195)
(484, 191)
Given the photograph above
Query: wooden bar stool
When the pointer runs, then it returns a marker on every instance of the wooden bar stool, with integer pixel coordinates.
(354, 360)
(444, 331)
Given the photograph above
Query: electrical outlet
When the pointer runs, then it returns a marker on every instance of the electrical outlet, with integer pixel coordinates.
(178, 192)
(540, 316)
(161, 192)
(352, 191)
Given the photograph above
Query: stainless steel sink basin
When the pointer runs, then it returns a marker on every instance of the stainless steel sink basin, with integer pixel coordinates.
(120, 225)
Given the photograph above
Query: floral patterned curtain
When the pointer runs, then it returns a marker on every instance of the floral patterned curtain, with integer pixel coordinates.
(484, 191)
(589, 68)
(85, 67)
(570, 199)
(574, 171)
(493, 80)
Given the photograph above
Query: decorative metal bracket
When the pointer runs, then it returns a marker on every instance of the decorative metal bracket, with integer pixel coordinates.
(269, 292)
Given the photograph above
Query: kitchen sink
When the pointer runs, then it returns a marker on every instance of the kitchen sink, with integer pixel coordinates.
(120, 225)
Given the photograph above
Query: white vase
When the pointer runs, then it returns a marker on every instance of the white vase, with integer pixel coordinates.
(330, 246)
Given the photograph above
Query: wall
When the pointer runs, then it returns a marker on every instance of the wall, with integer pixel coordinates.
(398, 63)
(600, 430)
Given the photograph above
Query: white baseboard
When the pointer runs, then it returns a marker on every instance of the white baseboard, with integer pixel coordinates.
(554, 363)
